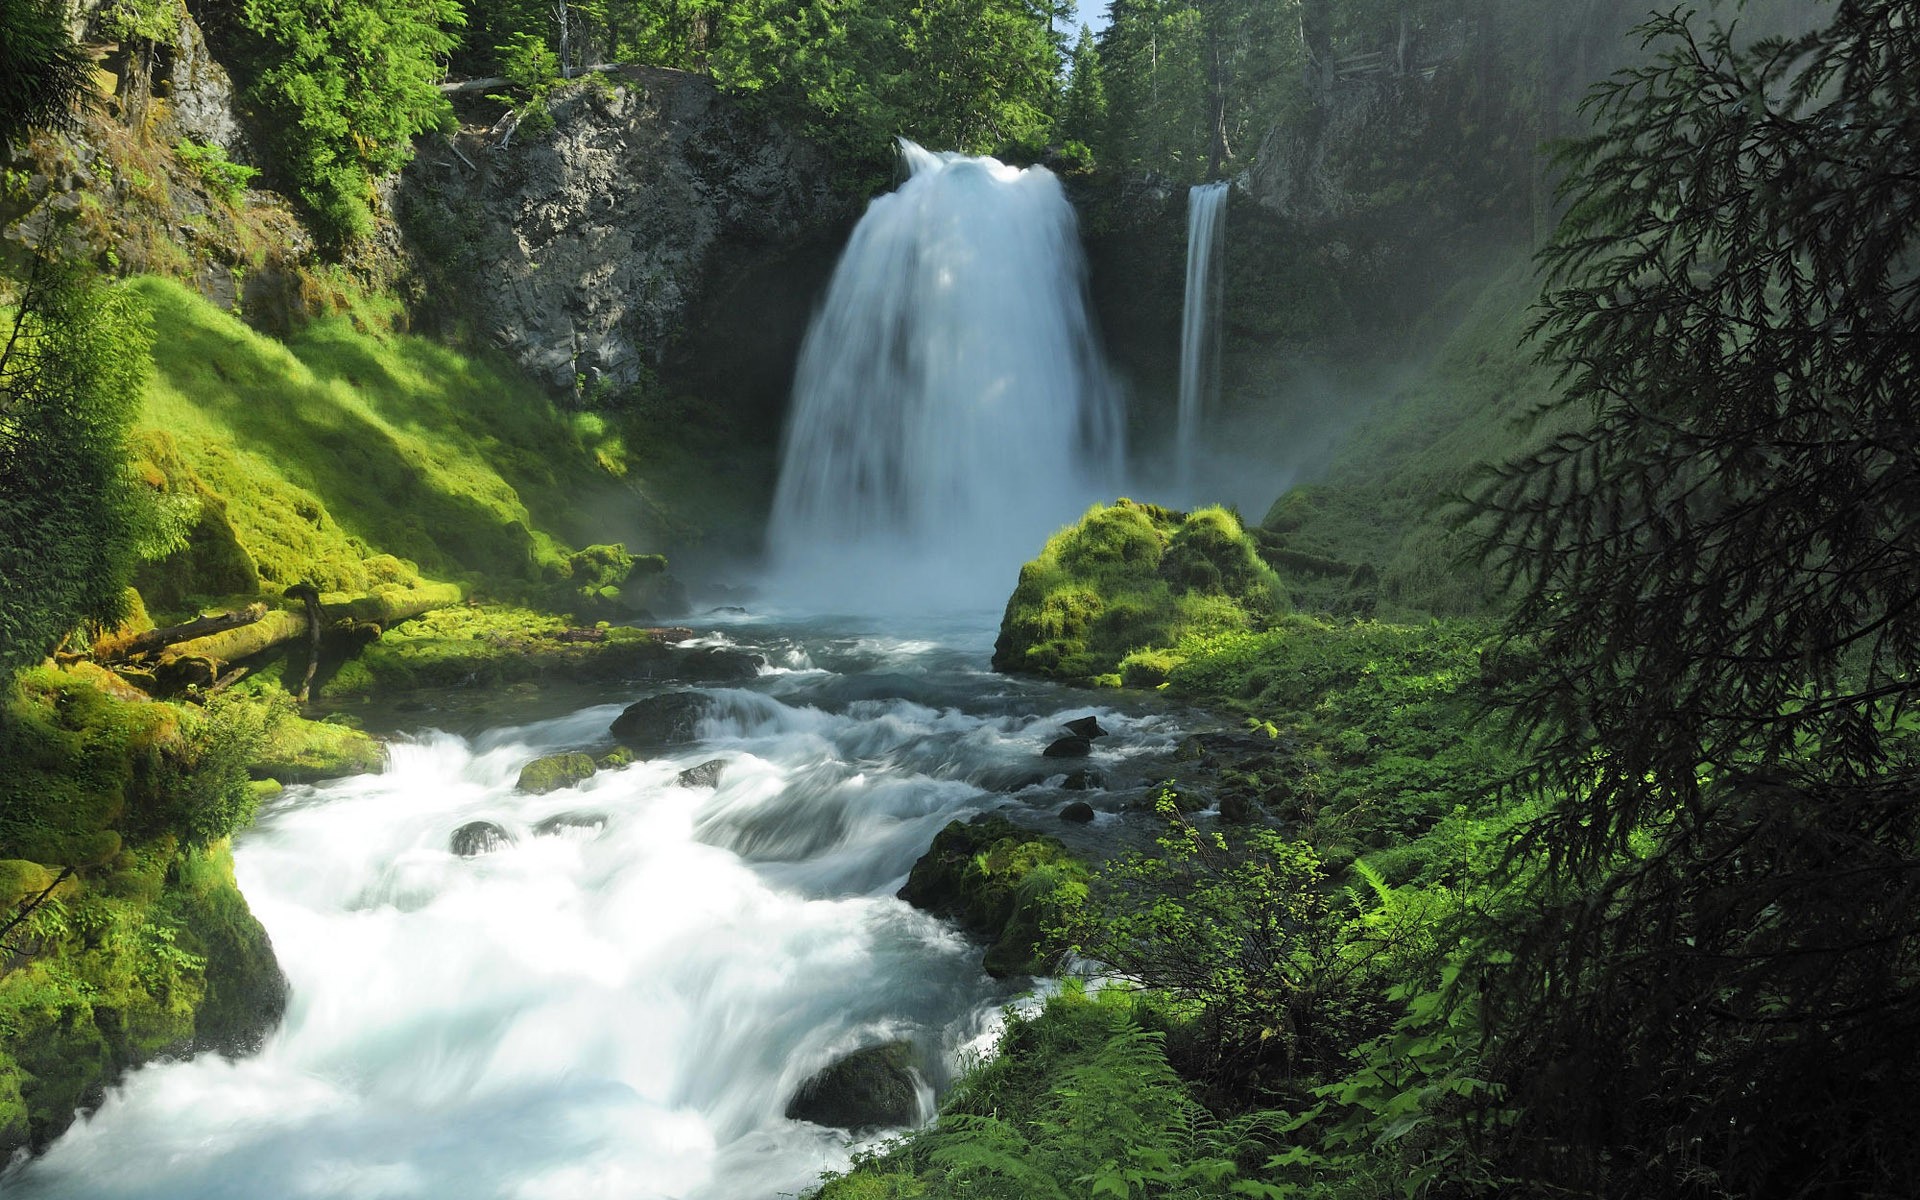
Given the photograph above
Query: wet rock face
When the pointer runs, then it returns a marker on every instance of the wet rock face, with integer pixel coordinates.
(478, 837)
(584, 250)
(868, 1089)
(661, 722)
(706, 775)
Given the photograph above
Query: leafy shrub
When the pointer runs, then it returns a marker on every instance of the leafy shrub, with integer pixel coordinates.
(224, 177)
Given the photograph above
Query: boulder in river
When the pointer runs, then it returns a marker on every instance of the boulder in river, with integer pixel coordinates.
(1073, 746)
(1086, 779)
(1086, 727)
(872, 1088)
(561, 824)
(706, 775)
(663, 721)
(1001, 883)
(479, 837)
(1079, 812)
(555, 771)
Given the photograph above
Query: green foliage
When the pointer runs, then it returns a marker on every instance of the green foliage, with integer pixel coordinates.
(341, 90)
(1718, 579)
(224, 177)
(1079, 1101)
(72, 362)
(140, 20)
(1131, 577)
(44, 74)
(1190, 85)
(1244, 930)
(1378, 724)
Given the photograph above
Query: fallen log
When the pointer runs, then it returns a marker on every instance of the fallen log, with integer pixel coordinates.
(278, 626)
(120, 649)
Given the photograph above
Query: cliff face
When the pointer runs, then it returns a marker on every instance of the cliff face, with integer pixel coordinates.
(593, 252)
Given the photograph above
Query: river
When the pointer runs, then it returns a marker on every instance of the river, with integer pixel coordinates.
(621, 1011)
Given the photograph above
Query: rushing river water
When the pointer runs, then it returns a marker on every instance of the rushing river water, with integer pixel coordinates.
(616, 1013)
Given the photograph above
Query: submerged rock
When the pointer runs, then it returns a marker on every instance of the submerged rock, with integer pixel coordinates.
(1086, 727)
(1079, 812)
(874, 1088)
(659, 722)
(478, 837)
(560, 824)
(555, 771)
(1073, 746)
(706, 775)
(1086, 779)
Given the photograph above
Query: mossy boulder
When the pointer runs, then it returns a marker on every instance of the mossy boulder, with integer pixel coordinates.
(662, 722)
(1010, 887)
(555, 771)
(873, 1088)
(301, 751)
(1132, 578)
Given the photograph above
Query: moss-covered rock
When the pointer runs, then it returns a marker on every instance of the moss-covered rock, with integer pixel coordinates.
(1006, 885)
(301, 751)
(555, 771)
(1132, 578)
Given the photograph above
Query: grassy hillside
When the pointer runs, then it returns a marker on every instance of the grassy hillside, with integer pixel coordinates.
(348, 458)
(1373, 532)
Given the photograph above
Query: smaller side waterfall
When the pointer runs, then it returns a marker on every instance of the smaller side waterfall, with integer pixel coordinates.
(1200, 320)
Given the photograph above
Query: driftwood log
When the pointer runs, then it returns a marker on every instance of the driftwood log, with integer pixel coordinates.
(130, 646)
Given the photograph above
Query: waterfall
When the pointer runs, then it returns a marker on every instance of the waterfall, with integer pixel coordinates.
(1200, 321)
(951, 406)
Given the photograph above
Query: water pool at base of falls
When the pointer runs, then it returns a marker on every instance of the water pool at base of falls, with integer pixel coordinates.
(621, 1011)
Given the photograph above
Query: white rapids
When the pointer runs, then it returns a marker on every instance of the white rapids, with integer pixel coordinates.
(600, 1014)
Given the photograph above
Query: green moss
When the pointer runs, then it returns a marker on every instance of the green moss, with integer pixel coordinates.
(145, 946)
(1007, 885)
(346, 458)
(1131, 578)
(301, 751)
(555, 771)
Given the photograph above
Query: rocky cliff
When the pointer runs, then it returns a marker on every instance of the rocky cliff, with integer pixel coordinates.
(595, 252)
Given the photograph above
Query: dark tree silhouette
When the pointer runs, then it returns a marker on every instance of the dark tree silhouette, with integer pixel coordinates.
(1718, 608)
(44, 75)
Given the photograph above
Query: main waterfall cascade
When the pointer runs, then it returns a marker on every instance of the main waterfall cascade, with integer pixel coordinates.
(1199, 322)
(952, 407)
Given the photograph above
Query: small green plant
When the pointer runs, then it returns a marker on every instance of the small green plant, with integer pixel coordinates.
(224, 177)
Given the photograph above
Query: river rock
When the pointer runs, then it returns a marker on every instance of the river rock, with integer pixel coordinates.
(1079, 812)
(706, 775)
(561, 824)
(479, 837)
(663, 721)
(1238, 808)
(1074, 746)
(1086, 727)
(872, 1088)
(1086, 779)
(555, 771)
